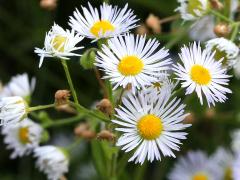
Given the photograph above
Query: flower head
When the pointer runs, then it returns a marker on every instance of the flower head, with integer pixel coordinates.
(133, 60)
(236, 167)
(109, 22)
(201, 73)
(59, 43)
(52, 160)
(151, 124)
(12, 110)
(225, 49)
(19, 85)
(195, 166)
(193, 9)
(22, 137)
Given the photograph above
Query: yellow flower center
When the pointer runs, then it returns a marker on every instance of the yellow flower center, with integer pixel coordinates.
(200, 75)
(150, 127)
(130, 66)
(194, 5)
(59, 43)
(200, 176)
(228, 174)
(101, 26)
(24, 135)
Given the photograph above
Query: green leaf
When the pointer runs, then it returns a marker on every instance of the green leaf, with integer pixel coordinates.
(88, 58)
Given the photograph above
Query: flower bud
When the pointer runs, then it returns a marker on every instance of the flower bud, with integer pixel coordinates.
(210, 113)
(106, 135)
(83, 130)
(222, 30)
(62, 97)
(105, 106)
(189, 119)
(154, 23)
(142, 29)
(216, 4)
(48, 4)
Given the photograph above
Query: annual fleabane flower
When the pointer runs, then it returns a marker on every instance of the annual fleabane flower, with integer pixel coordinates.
(195, 166)
(59, 43)
(133, 60)
(224, 158)
(236, 167)
(12, 110)
(51, 160)
(19, 85)
(225, 49)
(151, 124)
(235, 145)
(109, 22)
(22, 137)
(193, 9)
(200, 72)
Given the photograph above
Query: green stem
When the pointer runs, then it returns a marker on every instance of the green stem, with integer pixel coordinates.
(69, 79)
(89, 112)
(41, 107)
(234, 33)
(63, 122)
(219, 15)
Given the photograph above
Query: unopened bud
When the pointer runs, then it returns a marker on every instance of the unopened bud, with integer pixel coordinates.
(48, 4)
(66, 108)
(189, 119)
(142, 29)
(106, 135)
(62, 97)
(210, 113)
(216, 4)
(105, 106)
(154, 23)
(83, 130)
(222, 30)
(63, 178)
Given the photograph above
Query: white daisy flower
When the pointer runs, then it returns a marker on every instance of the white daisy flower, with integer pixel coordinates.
(236, 141)
(22, 137)
(133, 60)
(195, 166)
(202, 29)
(201, 73)
(236, 167)
(59, 43)
(151, 124)
(225, 49)
(12, 110)
(224, 158)
(193, 9)
(109, 22)
(19, 85)
(51, 160)
(163, 83)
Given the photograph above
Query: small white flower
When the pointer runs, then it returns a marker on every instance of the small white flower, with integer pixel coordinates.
(19, 85)
(59, 43)
(12, 110)
(224, 49)
(192, 9)
(201, 73)
(133, 60)
(51, 160)
(109, 22)
(194, 166)
(236, 141)
(22, 137)
(236, 167)
(202, 29)
(236, 68)
(224, 158)
(151, 124)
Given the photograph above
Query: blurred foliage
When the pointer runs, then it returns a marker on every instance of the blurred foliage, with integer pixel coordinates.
(23, 24)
